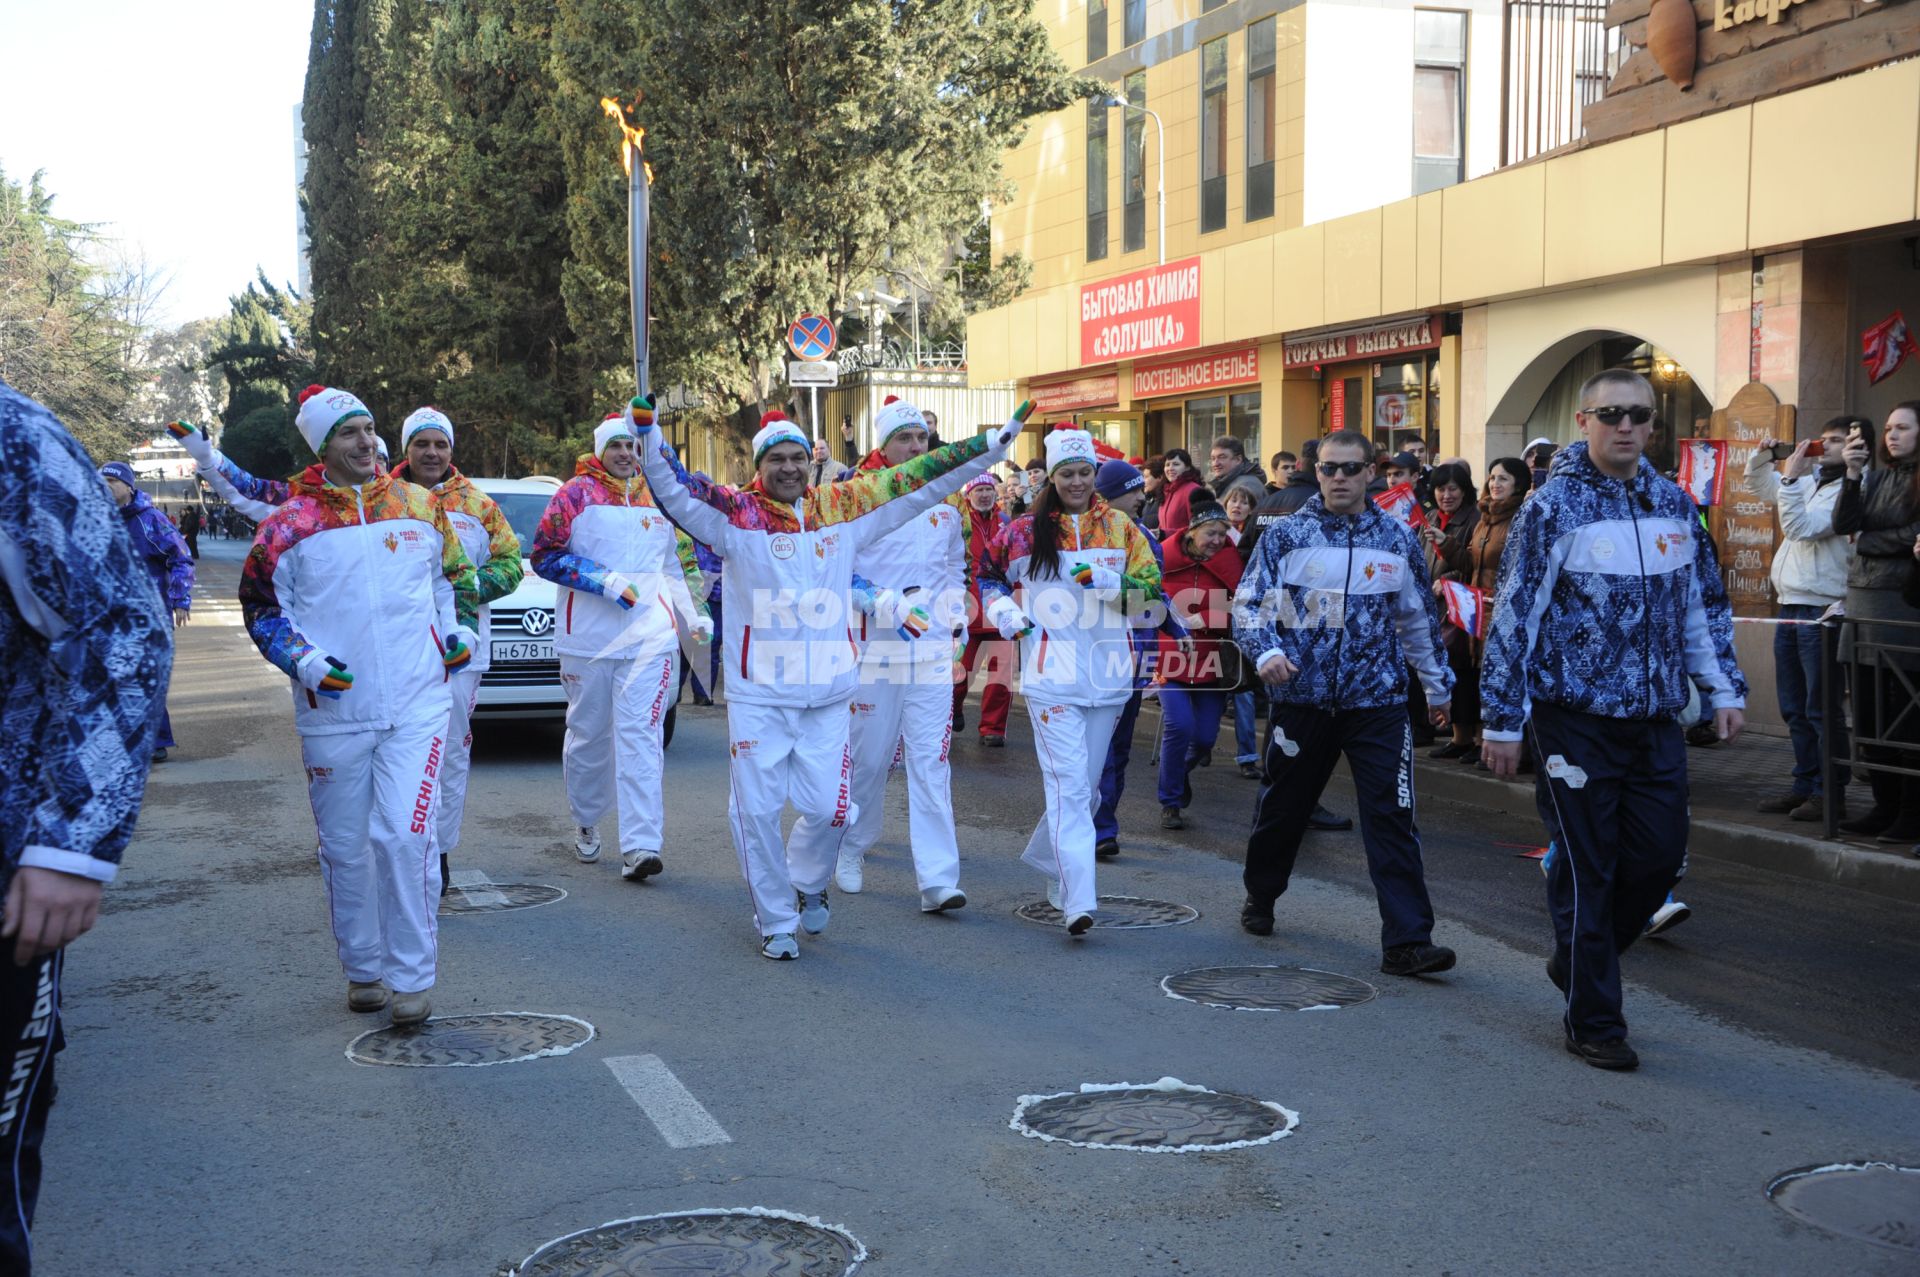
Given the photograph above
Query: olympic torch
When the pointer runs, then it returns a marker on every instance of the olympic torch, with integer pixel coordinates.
(639, 213)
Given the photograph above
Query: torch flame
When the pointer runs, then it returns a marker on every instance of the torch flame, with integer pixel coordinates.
(630, 139)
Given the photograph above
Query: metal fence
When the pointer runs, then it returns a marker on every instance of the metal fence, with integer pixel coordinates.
(1557, 57)
(1881, 678)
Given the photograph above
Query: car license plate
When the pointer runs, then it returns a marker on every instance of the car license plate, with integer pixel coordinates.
(523, 649)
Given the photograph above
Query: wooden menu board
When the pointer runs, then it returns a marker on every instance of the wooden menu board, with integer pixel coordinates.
(1745, 529)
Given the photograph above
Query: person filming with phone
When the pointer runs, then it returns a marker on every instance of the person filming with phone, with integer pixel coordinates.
(1809, 576)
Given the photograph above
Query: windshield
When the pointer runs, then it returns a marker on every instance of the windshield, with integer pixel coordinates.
(523, 511)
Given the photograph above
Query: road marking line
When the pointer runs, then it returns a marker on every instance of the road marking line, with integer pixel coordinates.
(667, 1104)
(473, 884)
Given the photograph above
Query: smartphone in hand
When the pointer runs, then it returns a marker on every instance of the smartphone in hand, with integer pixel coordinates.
(1781, 451)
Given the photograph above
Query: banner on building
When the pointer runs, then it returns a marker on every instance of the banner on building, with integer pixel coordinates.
(1310, 350)
(1703, 469)
(1402, 503)
(1885, 346)
(1147, 312)
(1466, 607)
(1194, 373)
(1096, 391)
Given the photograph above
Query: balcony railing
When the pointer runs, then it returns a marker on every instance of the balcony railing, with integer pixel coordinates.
(1557, 57)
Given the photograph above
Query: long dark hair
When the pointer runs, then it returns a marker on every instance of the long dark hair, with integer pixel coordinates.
(1182, 456)
(1456, 476)
(1043, 559)
(1517, 470)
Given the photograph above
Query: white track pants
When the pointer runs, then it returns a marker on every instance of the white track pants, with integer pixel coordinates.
(919, 709)
(782, 755)
(615, 710)
(1071, 743)
(462, 690)
(375, 800)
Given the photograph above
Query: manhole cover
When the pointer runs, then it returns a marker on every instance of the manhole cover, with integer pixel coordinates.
(1116, 913)
(497, 897)
(468, 1041)
(1269, 988)
(1875, 1202)
(752, 1242)
(1167, 1116)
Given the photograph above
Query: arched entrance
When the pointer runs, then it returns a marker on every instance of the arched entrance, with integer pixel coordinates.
(1542, 399)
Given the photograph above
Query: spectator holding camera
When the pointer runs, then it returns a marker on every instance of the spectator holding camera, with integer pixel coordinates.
(1880, 508)
(1809, 576)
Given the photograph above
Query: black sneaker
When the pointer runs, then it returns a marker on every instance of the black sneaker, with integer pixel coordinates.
(1422, 958)
(1615, 1054)
(1256, 917)
(1107, 848)
(994, 742)
(1249, 771)
(1780, 804)
(1324, 819)
(960, 721)
(1170, 818)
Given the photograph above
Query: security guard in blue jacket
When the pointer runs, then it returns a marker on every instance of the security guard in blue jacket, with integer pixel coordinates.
(1609, 600)
(1332, 608)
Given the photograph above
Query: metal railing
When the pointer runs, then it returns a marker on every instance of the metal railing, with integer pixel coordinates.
(1885, 695)
(1557, 57)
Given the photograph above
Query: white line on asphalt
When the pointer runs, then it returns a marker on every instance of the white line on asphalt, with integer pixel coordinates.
(473, 884)
(667, 1104)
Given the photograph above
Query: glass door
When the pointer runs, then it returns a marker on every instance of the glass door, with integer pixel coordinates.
(1123, 430)
(1343, 400)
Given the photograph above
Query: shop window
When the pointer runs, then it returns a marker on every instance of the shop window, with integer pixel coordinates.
(1213, 135)
(1243, 420)
(1439, 98)
(1206, 421)
(1262, 91)
(1096, 182)
(1133, 182)
(1135, 22)
(1096, 30)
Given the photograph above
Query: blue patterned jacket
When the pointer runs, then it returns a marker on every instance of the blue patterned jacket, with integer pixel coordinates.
(88, 645)
(1609, 598)
(1346, 599)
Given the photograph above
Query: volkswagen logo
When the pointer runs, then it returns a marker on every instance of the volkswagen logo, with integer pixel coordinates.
(536, 621)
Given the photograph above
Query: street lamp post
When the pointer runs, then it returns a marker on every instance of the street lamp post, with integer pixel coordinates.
(1160, 181)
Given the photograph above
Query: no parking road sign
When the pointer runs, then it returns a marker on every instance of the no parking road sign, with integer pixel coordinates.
(812, 337)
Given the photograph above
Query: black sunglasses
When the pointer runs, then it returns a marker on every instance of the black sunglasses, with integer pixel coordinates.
(1639, 415)
(1347, 468)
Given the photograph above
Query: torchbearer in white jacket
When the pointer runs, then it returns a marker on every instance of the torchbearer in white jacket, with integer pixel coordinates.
(905, 689)
(622, 570)
(789, 640)
(357, 588)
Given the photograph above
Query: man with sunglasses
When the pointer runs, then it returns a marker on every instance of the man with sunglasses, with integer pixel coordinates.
(1609, 601)
(1333, 609)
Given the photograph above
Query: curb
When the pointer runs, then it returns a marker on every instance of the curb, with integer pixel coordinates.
(1883, 874)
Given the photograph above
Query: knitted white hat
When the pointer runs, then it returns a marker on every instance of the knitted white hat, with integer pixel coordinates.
(617, 426)
(896, 414)
(775, 428)
(1067, 446)
(425, 419)
(321, 409)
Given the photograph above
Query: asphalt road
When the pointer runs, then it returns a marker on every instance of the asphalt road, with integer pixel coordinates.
(210, 1121)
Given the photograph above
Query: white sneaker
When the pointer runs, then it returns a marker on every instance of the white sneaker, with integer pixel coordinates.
(639, 865)
(847, 873)
(813, 913)
(1053, 895)
(1667, 917)
(941, 899)
(1079, 924)
(586, 844)
(781, 947)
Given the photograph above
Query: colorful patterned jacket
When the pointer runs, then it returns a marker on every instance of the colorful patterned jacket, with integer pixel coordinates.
(1609, 599)
(489, 543)
(602, 538)
(1346, 599)
(372, 576)
(254, 497)
(1081, 648)
(89, 646)
(161, 550)
(785, 602)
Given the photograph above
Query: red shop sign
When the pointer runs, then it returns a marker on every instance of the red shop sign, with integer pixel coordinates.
(1361, 343)
(1095, 391)
(1144, 313)
(1196, 373)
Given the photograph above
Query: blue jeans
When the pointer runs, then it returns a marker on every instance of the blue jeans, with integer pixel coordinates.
(1190, 723)
(1796, 677)
(1246, 728)
(1113, 778)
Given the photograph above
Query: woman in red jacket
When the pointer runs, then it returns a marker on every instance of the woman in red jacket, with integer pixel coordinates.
(982, 522)
(1199, 578)
(1181, 489)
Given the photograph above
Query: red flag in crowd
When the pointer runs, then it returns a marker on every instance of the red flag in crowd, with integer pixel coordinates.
(1886, 345)
(1401, 503)
(1703, 469)
(1466, 607)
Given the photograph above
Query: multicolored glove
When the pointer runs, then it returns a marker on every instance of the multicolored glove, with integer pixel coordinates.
(324, 676)
(458, 651)
(641, 409)
(701, 628)
(1104, 582)
(1015, 424)
(1007, 617)
(194, 441)
(181, 429)
(622, 591)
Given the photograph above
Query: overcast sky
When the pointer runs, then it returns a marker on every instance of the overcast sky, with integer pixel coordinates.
(170, 125)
